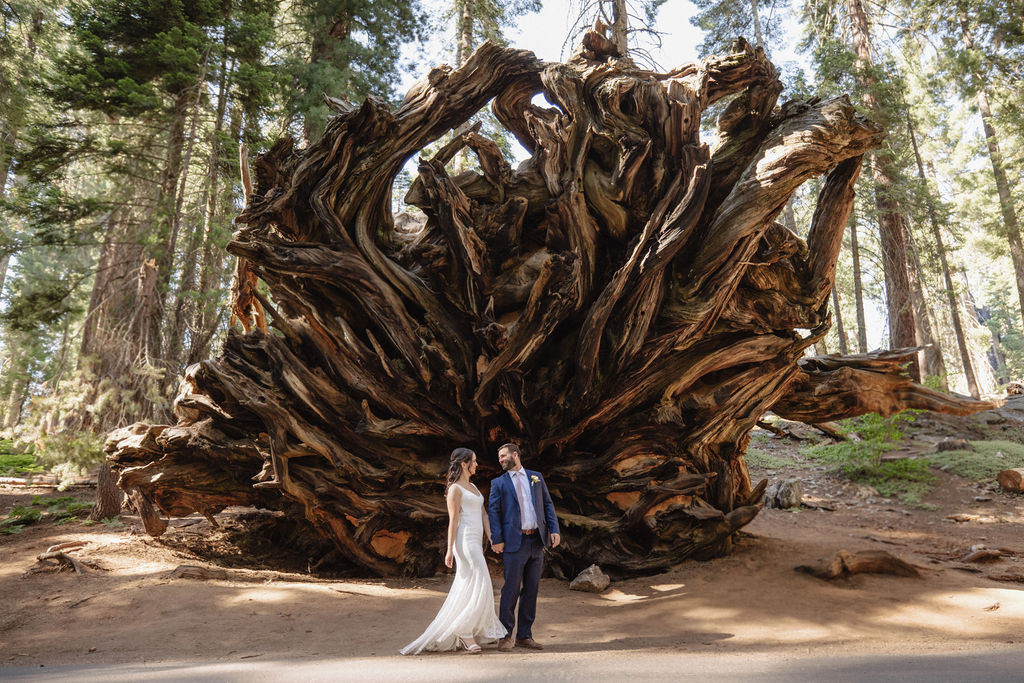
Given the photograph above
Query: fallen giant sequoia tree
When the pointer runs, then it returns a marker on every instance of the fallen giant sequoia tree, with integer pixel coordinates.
(623, 304)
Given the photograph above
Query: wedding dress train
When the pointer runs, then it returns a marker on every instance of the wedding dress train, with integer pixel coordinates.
(468, 611)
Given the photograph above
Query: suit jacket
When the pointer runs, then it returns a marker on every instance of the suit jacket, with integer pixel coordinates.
(506, 518)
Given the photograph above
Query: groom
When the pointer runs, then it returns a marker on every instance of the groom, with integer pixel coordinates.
(523, 521)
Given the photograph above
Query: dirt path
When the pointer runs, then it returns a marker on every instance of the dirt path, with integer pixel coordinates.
(750, 608)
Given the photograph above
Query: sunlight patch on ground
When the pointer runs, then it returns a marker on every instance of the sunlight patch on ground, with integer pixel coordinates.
(665, 587)
(375, 591)
(617, 596)
(141, 568)
(263, 595)
(978, 604)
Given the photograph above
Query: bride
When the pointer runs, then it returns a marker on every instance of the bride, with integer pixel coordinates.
(467, 616)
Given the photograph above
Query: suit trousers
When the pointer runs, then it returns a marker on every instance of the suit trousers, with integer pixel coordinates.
(522, 583)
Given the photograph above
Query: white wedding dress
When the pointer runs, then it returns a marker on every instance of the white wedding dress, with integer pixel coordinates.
(469, 608)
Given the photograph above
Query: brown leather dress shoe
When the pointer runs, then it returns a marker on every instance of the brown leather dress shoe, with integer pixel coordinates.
(529, 643)
(506, 644)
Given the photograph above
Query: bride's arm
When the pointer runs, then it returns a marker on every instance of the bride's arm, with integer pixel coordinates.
(454, 498)
(487, 525)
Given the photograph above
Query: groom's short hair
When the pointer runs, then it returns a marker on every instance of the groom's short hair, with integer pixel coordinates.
(513, 447)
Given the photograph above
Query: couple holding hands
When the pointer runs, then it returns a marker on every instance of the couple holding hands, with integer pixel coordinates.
(519, 522)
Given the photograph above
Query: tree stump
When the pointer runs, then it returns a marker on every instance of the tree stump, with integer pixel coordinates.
(623, 304)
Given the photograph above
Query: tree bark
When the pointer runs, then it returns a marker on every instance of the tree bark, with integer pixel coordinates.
(966, 361)
(465, 42)
(620, 26)
(154, 276)
(175, 350)
(839, 322)
(756, 20)
(931, 359)
(109, 497)
(790, 216)
(892, 223)
(623, 304)
(8, 140)
(211, 269)
(858, 291)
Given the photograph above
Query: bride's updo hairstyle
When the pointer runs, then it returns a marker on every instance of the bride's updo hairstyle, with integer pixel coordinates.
(459, 456)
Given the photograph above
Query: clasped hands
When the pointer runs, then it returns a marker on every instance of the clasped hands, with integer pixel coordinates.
(500, 547)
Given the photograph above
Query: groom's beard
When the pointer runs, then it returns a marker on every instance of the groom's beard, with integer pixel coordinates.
(508, 465)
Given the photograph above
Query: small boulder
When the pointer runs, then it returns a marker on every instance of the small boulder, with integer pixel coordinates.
(991, 417)
(1011, 480)
(784, 494)
(591, 580)
(1015, 389)
(951, 444)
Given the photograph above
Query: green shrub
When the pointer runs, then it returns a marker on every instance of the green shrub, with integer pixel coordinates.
(17, 518)
(861, 460)
(17, 464)
(61, 510)
(909, 479)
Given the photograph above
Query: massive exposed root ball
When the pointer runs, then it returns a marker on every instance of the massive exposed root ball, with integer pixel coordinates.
(623, 304)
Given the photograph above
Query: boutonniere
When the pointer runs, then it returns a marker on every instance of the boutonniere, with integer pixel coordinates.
(534, 479)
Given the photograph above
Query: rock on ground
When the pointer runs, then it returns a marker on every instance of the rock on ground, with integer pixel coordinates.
(950, 444)
(591, 580)
(784, 494)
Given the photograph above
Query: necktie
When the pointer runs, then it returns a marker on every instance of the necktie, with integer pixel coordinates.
(517, 481)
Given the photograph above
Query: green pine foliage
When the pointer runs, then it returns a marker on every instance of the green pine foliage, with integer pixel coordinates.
(121, 123)
(343, 49)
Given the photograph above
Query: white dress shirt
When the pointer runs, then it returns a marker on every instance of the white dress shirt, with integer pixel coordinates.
(525, 495)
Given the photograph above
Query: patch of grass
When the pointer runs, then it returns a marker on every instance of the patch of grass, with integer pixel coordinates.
(755, 457)
(16, 464)
(987, 460)
(60, 510)
(861, 460)
(908, 480)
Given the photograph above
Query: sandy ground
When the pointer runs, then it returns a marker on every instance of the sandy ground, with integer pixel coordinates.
(747, 616)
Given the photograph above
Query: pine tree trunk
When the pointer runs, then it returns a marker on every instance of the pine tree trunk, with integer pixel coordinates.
(623, 304)
(966, 362)
(858, 291)
(205, 314)
(8, 140)
(17, 370)
(322, 52)
(464, 48)
(930, 356)
(175, 350)
(892, 223)
(995, 356)
(620, 26)
(790, 216)
(154, 275)
(840, 331)
(109, 497)
(756, 20)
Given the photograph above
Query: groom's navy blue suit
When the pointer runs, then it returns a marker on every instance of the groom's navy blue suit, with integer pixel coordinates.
(523, 555)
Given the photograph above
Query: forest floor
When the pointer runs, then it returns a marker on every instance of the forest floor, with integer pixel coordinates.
(746, 612)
